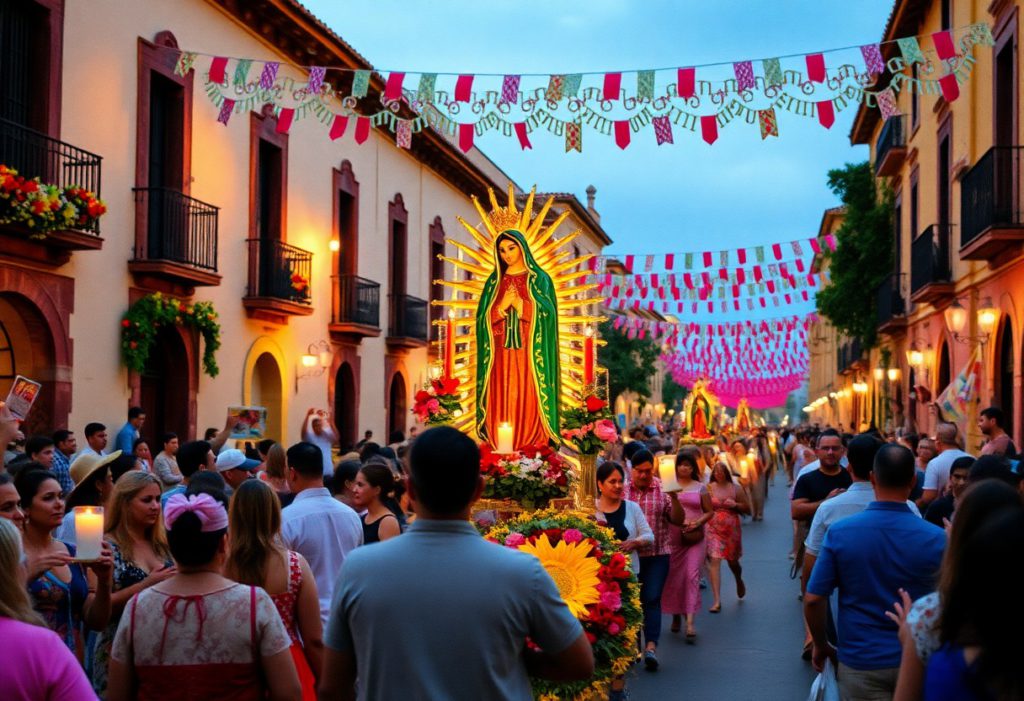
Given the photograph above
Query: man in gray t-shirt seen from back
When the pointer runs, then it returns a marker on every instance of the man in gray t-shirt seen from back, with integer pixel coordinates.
(441, 613)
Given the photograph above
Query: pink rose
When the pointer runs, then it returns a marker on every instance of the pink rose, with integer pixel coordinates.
(433, 405)
(605, 430)
(614, 629)
(572, 535)
(611, 600)
(514, 540)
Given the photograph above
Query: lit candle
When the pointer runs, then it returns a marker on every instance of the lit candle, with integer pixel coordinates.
(744, 468)
(505, 439)
(588, 357)
(667, 473)
(449, 345)
(88, 532)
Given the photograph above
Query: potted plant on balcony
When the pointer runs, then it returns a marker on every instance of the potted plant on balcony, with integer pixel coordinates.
(42, 208)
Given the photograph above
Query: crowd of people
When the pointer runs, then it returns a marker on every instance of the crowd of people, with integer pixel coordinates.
(246, 572)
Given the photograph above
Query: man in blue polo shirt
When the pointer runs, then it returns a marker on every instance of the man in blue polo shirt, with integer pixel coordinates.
(869, 557)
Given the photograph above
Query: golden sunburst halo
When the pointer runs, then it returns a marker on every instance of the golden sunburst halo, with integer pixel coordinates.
(572, 567)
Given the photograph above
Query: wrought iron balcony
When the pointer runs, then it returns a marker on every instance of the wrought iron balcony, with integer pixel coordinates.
(992, 222)
(355, 309)
(929, 265)
(891, 147)
(280, 280)
(407, 323)
(891, 309)
(175, 239)
(37, 155)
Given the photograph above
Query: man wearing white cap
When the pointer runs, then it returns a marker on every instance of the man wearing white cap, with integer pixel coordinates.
(235, 468)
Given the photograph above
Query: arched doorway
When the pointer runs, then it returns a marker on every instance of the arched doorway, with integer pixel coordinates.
(1004, 373)
(26, 348)
(266, 392)
(164, 387)
(397, 406)
(345, 405)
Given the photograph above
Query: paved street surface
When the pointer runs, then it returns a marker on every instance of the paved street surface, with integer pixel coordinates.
(751, 650)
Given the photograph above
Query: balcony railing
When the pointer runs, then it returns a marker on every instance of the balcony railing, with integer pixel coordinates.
(848, 354)
(991, 194)
(890, 300)
(929, 258)
(280, 271)
(179, 229)
(34, 154)
(891, 145)
(408, 317)
(357, 301)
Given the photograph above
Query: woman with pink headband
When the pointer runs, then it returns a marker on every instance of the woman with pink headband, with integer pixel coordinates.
(199, 635)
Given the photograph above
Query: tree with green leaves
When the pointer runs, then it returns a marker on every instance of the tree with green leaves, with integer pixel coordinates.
(864, 253)
(672, 393)
(630, 361)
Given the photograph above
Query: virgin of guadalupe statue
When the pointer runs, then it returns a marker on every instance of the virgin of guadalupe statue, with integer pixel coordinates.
(518, 375)
(698, 420)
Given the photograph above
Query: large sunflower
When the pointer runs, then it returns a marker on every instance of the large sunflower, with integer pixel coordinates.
(572, 567)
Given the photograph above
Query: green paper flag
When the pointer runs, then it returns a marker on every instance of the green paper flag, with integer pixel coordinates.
(772, 71)
(360, 83)
(242, 72)
(645, 85)
(911, 50)
(689, 261)
(723, 259)
(759, 254)
(425, 91)
(571, 84)
(186, 61)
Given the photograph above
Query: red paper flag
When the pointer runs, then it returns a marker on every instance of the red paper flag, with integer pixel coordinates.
(758, 274)
(687, 82)
(338, 127)
(464, 88)
(466, 132)
(524, 137)
(741, 276)
(815, 246)
(629, 263)
(944, 44)
(777, 251)
(612, 84)
(742, 255)
(669, 261)
(707, 259)
(218, 69)
(362, 129)
(688, 280)
(393, 88)
(816, 68)
(736, 304)
(950, 89)
(284, 120)
(723, 274)
(830, 241)
(622, 133)
(826, 113)
(709, 128)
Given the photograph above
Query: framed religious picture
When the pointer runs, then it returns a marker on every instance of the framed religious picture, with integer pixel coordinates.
(22, 396)
(247, 422)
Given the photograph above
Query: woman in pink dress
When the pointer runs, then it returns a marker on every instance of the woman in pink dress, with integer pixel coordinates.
(681, 596)
(724, 541)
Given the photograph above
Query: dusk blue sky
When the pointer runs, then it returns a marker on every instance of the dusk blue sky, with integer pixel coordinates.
(689, 196)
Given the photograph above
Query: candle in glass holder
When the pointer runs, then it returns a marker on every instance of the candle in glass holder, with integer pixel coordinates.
(667, 473)
(88, 532)
(505, 439)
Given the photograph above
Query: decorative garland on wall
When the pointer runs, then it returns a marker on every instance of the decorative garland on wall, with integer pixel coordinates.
(140, 324)
(660, 101)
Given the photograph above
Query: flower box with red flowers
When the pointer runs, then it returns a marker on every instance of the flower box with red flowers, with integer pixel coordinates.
(438, 403)
(42, 208)
(532, 476)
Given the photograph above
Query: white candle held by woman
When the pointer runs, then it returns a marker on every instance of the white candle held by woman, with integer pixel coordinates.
(667, 473)
(89, 532)
(505, 439)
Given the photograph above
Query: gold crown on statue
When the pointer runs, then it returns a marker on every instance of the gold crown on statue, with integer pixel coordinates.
(504, 218)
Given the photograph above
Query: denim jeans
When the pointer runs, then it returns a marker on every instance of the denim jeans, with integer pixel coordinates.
(652, 576)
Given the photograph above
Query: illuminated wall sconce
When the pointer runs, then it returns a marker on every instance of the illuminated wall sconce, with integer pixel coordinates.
(893, 374)
(314, 362)
(334, 245)
(879, 374)
(956, 321)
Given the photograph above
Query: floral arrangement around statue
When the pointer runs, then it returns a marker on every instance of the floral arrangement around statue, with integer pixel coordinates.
(594, 580)
(533, 476)
(44, 208)
(144, 318)
(589, 426)
(438, 403)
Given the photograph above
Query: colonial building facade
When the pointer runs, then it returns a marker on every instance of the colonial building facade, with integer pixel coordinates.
(225, 214)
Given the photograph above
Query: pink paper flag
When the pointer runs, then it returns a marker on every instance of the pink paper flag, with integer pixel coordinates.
(362, 129)
(816, 68)
(803, 293)
(403, 134)
(218, 69)
(830, 241)
(466, 132)
(622, 133)
(709, 128)
(510, 89)
(612, 84)
(464, 88)
(950, 89)
(687, 82)
(393, 88)
(269, 74)
(284, 120)
(338, 127)
(524, 137)
(662, 129)
(316, 79)
(887, 103)
(826, 113)
(744, 71)
(944, 44)
(226, 108)
(873, 59)
(815, 246)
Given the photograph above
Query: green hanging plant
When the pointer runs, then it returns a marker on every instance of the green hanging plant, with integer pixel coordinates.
(143, 319)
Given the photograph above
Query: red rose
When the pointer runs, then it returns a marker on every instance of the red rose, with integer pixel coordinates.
(561, 481)
(422, 396)
(450, 385)
(553, 534)
(595, 405)
(133, 345)
(125, 323)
